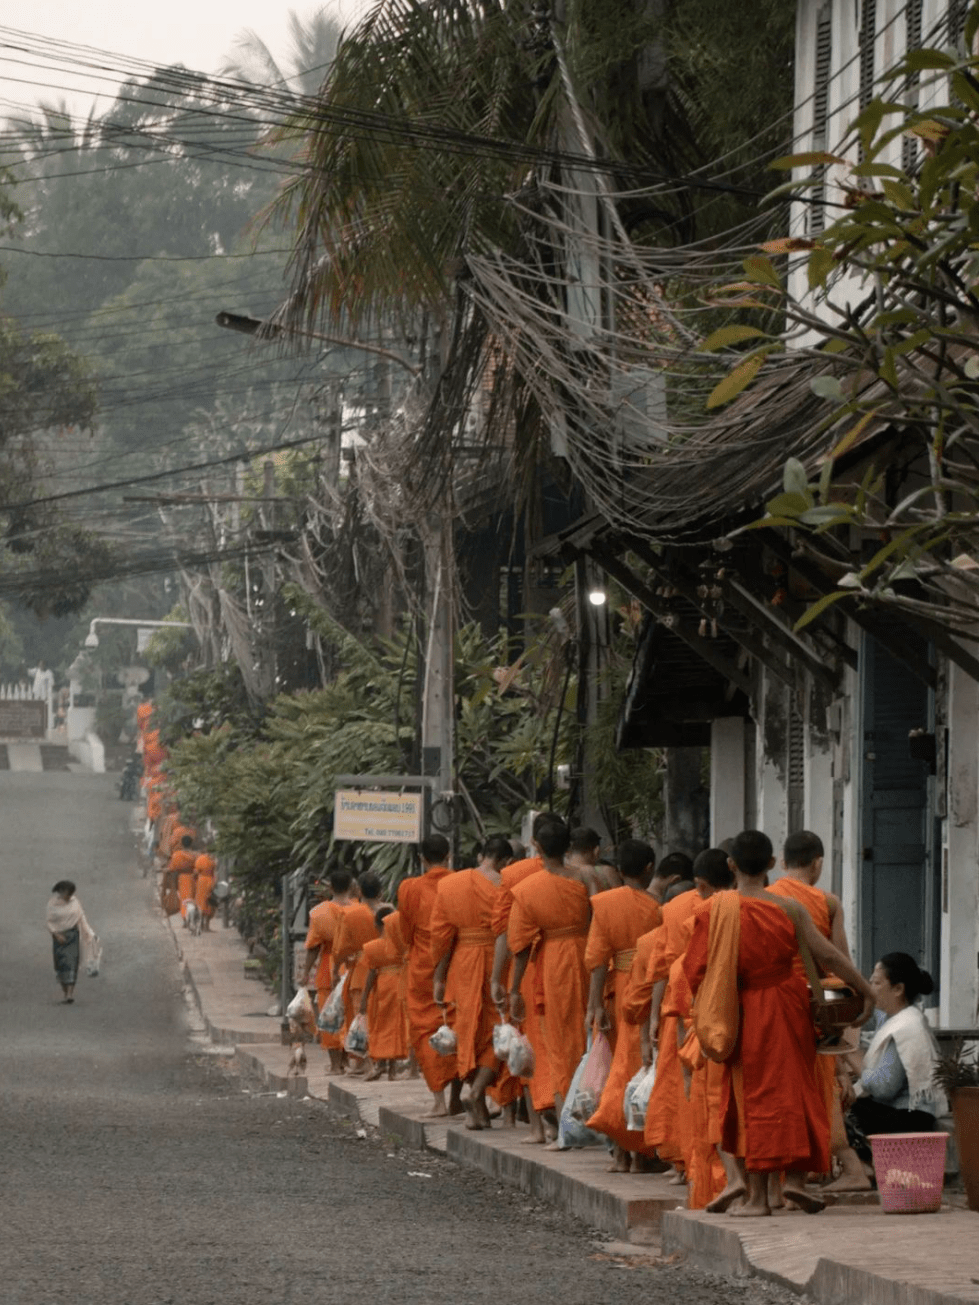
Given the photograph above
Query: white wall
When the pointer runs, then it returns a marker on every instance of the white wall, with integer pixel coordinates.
(727, 777)
(960, 868)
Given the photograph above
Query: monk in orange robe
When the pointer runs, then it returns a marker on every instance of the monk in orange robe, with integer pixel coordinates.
(416, 902)
(463, 945)
(382, 1001)
(357, 927)
(668, 1125)
(802, 862)
(205, 868)
(180, 872)
(553, 907)
(324, 921)
(751, 1013)
(697, 1080)
(619, 918)
(538, 1091)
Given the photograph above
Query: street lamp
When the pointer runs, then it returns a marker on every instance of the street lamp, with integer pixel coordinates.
(92, 639)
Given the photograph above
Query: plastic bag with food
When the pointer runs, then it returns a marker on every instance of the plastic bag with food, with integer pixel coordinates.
(355, 1043)
(333, 1014)
(444, 1041)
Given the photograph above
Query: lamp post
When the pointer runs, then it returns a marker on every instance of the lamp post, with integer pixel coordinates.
(92, 639)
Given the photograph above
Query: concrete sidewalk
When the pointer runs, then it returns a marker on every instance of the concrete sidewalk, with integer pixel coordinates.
(851, 1253)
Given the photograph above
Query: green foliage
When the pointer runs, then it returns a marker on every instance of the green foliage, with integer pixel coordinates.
(905, 363)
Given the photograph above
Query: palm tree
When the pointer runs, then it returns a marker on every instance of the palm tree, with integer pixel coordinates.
(313, 47)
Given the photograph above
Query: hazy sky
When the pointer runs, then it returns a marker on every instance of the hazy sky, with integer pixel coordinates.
(196, 33)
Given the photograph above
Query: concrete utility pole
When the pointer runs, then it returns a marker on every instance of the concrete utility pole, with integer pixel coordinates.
(438, 695)
(268, 587)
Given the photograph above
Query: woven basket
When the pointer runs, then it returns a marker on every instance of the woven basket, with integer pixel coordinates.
(910, 1169)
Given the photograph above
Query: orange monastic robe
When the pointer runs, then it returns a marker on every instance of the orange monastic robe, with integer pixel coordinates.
(356, 927)
(386, 1026)
(619, 918)
(324, 920)
(181, 869)
(416, 901)
(205, 867)
(668, 1125)
(817, 904)
(541, 1091)
(772, 1113)
(462, 923)
(556, 910)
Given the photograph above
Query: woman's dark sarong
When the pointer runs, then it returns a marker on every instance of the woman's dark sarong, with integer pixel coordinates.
(66, 956)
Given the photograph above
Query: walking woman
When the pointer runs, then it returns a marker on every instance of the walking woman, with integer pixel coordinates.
(68, 926)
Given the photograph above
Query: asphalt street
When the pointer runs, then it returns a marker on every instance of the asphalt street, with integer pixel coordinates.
(137, 1170)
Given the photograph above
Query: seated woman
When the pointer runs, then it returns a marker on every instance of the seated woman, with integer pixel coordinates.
(895, 1092)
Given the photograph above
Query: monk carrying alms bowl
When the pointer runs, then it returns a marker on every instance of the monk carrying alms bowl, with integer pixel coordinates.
(840, 1008)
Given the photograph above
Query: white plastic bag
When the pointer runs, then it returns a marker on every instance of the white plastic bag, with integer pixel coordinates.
(301, 1013)
(571, 1131)
(598, 1062)
(300, 1008)
(636, 1099)
(94, 962)
(641, 1097)
(333, 1014)
(444, 1041)
(520, 1059)
(355, 1043)
(502, 1034)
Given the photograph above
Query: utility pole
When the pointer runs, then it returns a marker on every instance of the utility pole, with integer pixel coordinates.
(438, 692)
(268, 570)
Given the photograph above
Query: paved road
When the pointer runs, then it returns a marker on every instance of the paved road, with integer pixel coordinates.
(138, 1172)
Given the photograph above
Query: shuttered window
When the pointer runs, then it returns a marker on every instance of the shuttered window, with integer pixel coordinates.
(820, 109)
(797, 772)
(955, 20)
(912, 41)
(868, 42)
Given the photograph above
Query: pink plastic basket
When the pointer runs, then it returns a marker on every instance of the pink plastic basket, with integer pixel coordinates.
(910, 1169)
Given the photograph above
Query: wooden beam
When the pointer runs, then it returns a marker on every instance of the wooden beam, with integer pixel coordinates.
(944, 642)
(753, 646)
(920, 667)
(702, 647)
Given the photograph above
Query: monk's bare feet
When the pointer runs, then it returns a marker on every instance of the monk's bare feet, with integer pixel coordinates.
(621, 1161)
(455, 1098)
(439, 1109)
(555, 1146)
(536, 1136)
(374, 1075)
(724, 1200)
(804, 1201)
(749, 1210)
(477, 1114)
(849, 1183)
(510, 1115)
(774, 1185)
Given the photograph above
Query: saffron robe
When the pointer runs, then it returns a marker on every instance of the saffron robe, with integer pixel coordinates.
(462, 923)
(356, 927)
(204, 868)
(772, 1113)
(416, 901)
(619, 918)
(668, 1126)
(180, 872)
(816, 903)
(324, 920)
(386, 1028)
(541, 1091)
(556, 910)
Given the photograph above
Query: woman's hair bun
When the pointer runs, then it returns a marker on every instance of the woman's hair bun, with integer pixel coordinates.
(902, 968)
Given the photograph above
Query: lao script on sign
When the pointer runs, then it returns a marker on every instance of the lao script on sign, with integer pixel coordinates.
(371, 816)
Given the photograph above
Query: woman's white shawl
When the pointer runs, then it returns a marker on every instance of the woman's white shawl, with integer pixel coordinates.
(62, 915)
(915, 1043)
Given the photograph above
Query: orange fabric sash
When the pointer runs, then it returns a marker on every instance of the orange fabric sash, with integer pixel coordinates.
(566, 931)
(622, 961)
(475, 937)
(717, 1011)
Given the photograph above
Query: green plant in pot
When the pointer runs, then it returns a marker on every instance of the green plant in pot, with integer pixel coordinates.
(958, 1076)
